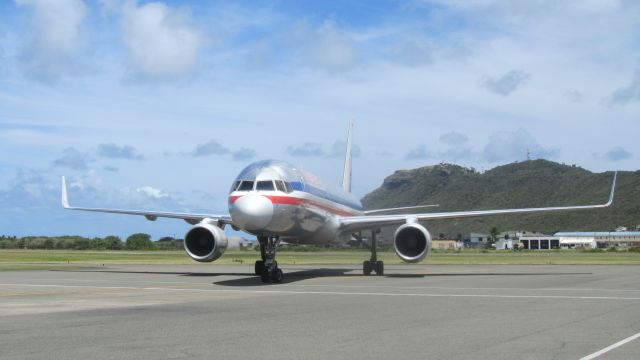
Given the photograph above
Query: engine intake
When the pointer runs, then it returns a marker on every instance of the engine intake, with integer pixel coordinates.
(205, 242)
(412, 242)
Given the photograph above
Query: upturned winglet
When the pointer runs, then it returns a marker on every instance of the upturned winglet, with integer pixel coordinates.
(613, 189)
(65, 200)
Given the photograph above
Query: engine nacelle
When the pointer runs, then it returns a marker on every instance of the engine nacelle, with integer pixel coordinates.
(412, 242)
(205, 242)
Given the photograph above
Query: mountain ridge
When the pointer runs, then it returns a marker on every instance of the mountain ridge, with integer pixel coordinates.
(533, 183)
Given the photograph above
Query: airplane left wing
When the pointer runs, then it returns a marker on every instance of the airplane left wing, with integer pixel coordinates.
(150, 215)
(358, 223)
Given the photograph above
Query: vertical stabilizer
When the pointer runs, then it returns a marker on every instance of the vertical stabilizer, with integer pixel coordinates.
(346, 176)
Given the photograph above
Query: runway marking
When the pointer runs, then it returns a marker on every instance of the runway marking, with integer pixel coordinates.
(354, 286)
(611, 347)
(465, 288)
(344, 293)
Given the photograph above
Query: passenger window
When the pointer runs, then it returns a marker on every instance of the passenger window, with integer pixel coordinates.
(265, 185)
(280, 186)
(246, 185)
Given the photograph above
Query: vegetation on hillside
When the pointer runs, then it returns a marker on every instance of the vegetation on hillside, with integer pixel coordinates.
(535, 183)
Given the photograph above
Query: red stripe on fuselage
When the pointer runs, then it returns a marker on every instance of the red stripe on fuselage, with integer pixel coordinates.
(291, 200)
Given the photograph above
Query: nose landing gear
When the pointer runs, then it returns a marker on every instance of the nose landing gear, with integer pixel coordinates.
(267, 268)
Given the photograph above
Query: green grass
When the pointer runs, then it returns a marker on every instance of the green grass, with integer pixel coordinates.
(54, 259)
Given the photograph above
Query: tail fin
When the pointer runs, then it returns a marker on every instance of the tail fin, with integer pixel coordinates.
(346, 176)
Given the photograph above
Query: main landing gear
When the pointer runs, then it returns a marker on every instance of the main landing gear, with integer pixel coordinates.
(267, 268)
(373, 264)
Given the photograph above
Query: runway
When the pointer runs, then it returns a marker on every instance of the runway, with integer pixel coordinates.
(413, 312)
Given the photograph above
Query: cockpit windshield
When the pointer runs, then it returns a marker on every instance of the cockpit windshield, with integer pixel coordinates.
(246, 185)
(265, 185)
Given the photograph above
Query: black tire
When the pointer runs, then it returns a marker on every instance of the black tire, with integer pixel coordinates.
(379, 265)
(265, 277)
(366, 267)
(277, 276)
(259, 267)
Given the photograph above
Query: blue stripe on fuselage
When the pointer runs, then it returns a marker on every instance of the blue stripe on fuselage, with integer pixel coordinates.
(299, 186)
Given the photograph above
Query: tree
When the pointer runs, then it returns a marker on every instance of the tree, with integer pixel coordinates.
(139, 241)
(113, 243)
(493, 234)
(82, 244)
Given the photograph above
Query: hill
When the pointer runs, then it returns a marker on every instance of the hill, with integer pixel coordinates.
(534, 183)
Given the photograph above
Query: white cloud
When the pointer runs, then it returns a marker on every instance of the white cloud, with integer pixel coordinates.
(305, 150)
(160, 39)
(329, 47)
(618, 153)
(244, 154)
(627, 94)
(504, 146)
(152, 192)
(72, 159)
(55, 38)
(415, 52)
(418, 153)
(507, 83)
(454, 138)
(210, 148)
(574, 96)
(114, 151)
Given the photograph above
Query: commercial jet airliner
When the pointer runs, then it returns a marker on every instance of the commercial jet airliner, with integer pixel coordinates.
(276, 201)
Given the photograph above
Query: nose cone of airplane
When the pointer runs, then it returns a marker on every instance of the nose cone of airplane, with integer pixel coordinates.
(252, 212)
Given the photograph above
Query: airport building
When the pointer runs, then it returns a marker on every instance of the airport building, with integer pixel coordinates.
(573, 240)
(540, 242)
(478, 239)
(509, 240)
(601, 239)
(446, 244)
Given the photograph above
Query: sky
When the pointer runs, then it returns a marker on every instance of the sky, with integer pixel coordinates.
(159, 105)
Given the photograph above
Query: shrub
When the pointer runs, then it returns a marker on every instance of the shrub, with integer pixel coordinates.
(139, 241)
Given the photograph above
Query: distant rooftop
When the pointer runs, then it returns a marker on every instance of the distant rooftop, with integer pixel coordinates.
(599, 233)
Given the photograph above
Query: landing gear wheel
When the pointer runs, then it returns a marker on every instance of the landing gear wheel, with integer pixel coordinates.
(366, 267)
(373, 264)
(265, 277)
(259, 267)
(379, 268)
(267, 268)
(277, 276)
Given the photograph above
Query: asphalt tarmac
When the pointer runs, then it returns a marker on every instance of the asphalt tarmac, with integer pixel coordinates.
(413, 312)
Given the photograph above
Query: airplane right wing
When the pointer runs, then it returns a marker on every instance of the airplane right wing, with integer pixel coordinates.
(150, 215)
(367, 212)
(358, 223)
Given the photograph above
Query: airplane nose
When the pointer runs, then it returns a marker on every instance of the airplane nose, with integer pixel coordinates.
(252, 212)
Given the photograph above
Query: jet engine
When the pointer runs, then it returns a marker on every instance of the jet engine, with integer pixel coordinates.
(205, 242)
(412, 242)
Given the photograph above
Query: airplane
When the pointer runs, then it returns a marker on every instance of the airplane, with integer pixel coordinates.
(277, 201)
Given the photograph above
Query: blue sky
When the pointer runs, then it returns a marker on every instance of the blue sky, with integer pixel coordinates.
(158, 105)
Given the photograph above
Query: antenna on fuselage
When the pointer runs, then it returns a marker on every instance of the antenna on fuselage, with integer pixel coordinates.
(346, 175)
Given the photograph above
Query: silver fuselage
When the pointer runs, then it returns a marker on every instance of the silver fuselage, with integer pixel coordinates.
(274, 198)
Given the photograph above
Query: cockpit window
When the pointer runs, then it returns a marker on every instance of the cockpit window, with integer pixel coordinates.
(265, 185)
(234, 187)
(280, 186)
(246, 185)
(288, 187)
